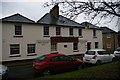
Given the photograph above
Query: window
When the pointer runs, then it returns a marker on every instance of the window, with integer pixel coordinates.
(90, 52)
(75, 46)
(80, 32)
(96, 44)
(94, 33)
(65, 46)
(118, 49)
(108, 35)
(18, 30)
(53, 46)
(103, 52)
(108, 45)
(14, 50)
(71, 31)
(42, 58)
(31, 48)
(58, 31)
(55, 59)
(65, 58)
(46, 30)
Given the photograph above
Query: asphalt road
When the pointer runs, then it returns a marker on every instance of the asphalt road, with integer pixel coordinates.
(21, 72)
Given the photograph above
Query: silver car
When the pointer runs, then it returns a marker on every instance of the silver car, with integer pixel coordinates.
(117, 53)
(3, 71)
(98, 56)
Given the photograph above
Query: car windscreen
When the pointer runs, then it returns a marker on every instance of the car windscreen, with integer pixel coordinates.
(90, 52)
(118, 49)
(42, 58)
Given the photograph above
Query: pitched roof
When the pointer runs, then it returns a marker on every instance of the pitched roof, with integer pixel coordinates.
(107, 30)
(17, 18)
(87, 24)
(50, 19)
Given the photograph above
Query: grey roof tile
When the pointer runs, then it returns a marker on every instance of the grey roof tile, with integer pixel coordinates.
(107, 30)
(87, 24)
(49, 19)
(17, 18)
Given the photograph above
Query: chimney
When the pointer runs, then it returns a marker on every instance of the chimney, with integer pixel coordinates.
(55, 11)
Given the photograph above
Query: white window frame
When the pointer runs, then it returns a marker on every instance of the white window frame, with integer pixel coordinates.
(46, 30)
(33, 47)
(58, 31)
(71, 31)
(80, 32)
(13, 48)
(53, 46)
(18, 31)
(75, 47)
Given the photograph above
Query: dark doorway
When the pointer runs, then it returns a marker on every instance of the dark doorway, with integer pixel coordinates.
(88, 45)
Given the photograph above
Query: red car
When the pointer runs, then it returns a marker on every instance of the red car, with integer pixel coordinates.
(55, 62)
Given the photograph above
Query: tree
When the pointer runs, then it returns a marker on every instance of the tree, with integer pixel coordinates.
(92, 8)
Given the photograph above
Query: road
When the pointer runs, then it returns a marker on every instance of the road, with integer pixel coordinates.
(21, 72)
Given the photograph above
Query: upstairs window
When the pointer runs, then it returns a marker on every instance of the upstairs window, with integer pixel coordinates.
(46, 30)
(58, 31)
(80, 32)
(18, 30)
(108, 35)
(94, 33)
(71, 31)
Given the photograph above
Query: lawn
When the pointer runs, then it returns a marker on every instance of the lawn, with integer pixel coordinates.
(109, 71)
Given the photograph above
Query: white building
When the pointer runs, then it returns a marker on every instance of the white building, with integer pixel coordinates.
(24, 39)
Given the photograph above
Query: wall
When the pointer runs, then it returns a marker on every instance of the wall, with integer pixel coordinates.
(113, 40)
(33, 33)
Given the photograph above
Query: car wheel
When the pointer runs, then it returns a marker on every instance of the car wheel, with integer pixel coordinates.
(46, 72)
(98, 63)
(113, 59)
(79, 67)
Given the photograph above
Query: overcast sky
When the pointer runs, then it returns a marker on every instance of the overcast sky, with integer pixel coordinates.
(34, 9)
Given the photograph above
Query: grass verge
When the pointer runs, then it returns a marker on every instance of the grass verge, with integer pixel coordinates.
(110, 71)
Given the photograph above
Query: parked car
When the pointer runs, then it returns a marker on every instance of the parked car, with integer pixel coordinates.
(117, 53)
(3, 71)
(98, 56)
(55, 62)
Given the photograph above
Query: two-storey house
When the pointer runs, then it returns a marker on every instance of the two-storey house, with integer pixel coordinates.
(110, 39)
(23, 38)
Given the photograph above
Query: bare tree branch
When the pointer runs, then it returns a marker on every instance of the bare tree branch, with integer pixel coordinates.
(91, 8)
